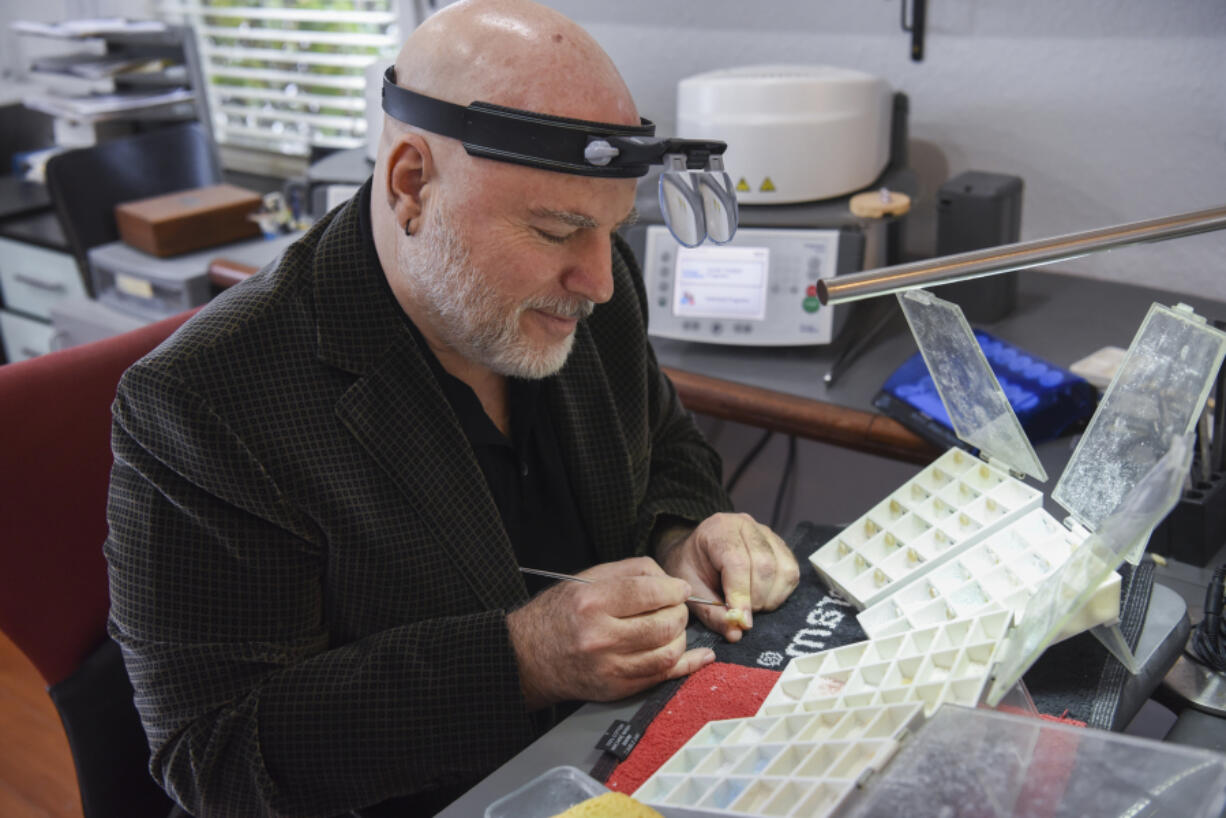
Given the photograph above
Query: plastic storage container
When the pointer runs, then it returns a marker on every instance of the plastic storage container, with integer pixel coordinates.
(964, 536)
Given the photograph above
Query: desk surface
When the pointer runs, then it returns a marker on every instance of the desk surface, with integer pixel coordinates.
(19, 197)
(42, 229)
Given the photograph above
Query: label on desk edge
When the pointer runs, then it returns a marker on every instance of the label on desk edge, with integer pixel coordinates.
(620, 739)
(131, 285)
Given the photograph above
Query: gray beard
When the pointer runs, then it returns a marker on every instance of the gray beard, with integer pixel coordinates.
(469, 316)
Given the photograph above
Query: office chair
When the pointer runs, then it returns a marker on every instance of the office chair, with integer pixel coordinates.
(55, 419)
(85, 184)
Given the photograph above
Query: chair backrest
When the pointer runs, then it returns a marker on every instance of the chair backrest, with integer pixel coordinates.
(55, 464)
(85, 184)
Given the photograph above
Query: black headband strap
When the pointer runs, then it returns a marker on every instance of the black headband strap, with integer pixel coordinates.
(513, 135)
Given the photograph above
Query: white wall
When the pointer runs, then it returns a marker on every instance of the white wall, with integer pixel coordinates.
(1109, 110)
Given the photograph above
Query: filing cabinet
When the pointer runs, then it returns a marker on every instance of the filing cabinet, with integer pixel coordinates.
(24, 337)
(32, 280)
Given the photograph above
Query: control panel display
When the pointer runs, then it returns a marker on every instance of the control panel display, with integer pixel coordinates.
(758, 290)
(721, 282)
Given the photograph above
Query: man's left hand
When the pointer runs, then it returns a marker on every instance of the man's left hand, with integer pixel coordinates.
(734, 557)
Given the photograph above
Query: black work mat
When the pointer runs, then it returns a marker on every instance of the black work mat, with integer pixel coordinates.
(814, 618)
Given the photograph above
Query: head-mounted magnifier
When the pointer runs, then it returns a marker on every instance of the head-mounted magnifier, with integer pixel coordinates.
(697, 200)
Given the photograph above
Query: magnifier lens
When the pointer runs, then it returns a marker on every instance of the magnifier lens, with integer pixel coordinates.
(682, 209)
(718, 205)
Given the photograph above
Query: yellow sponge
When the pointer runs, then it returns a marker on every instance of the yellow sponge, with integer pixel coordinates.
(610, 805)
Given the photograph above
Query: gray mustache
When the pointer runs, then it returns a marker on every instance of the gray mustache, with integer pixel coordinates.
(577, 308)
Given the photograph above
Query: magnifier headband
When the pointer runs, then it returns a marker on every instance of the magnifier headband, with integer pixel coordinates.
(513, 135)
(696, 194)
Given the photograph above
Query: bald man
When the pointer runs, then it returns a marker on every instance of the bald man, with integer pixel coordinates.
(325, 483)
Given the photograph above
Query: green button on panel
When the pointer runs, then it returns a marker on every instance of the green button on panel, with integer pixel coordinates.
(812, 303)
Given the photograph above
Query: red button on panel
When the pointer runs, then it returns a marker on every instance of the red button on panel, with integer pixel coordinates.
(811, 291)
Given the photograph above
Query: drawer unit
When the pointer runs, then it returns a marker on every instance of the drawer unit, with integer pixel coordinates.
(153, 288)
(24, 337)
(33, 278)
(83, 320)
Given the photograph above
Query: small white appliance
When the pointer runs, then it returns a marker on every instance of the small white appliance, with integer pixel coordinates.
(795, 133)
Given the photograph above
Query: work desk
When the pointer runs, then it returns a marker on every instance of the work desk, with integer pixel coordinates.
(1059, 318)
(573, 742)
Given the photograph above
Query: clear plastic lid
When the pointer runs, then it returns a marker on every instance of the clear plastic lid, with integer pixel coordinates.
(1156, 396)
(551, 792)
(1059, 597)
(998, 765)
(977, 406)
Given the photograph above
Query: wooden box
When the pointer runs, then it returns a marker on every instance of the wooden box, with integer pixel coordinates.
(188, 220)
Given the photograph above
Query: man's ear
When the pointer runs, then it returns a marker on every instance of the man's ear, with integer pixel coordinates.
(409, 169)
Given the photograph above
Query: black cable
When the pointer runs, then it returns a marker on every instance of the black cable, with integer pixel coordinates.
(788, 467)
(749, 457)
(1209, 638)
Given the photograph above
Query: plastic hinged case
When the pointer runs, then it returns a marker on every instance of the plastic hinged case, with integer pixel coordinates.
(829, 729)
(966, 535)
(997, 765)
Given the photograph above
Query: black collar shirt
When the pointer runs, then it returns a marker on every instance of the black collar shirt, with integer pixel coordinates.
(526, 473)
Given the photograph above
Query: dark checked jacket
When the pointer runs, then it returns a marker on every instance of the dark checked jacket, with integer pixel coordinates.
(309, 576)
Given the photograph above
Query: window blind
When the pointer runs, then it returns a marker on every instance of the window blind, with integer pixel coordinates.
(286, 76)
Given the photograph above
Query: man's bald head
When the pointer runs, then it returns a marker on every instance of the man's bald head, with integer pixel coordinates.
(515, 53)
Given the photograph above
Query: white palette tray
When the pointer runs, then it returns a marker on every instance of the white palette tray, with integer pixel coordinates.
(805, 764)
(949, 662)
(955, 502)
(1000, 571)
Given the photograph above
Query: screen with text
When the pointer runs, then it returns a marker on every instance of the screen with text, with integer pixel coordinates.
(721, 282)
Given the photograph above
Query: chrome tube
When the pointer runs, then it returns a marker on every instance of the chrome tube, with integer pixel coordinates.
(977, 263)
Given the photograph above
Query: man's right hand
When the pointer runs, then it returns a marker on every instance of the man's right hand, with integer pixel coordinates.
(621, 633)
